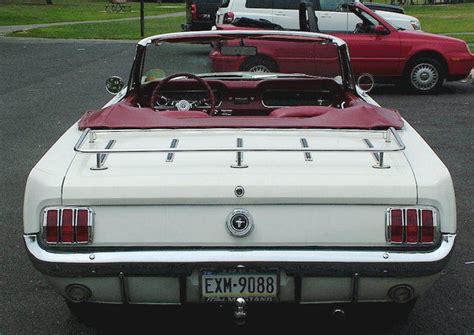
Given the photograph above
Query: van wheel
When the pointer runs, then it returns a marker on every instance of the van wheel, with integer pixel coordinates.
(424, 75)
(259, 64)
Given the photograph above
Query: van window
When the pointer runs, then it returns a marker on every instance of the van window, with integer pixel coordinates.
(333, 5)
(293, 4)
(258, 4)
(225, 4)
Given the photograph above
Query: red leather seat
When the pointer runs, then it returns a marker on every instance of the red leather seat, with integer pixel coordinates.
(301, 111)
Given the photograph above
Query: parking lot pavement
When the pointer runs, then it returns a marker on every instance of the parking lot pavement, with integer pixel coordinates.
(45, 88)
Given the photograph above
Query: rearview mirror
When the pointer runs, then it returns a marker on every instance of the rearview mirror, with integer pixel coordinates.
(238, 51)
(114, 85)
(366, 82)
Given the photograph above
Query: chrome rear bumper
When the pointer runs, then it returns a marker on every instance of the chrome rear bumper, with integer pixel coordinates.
(300, 262)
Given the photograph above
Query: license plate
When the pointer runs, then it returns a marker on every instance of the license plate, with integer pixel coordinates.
(227, 286)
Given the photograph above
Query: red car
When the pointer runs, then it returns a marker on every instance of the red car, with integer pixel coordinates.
(421, 60)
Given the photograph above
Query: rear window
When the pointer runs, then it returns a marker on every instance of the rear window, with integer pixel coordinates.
(259, 4)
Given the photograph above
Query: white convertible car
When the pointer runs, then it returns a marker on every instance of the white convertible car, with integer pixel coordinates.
(197, 185)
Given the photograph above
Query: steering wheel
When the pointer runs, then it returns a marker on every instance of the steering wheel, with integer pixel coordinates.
(157, 99)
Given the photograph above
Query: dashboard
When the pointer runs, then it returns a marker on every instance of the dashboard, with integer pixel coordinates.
(251, 97)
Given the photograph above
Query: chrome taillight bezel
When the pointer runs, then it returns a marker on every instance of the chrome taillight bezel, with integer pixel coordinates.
(419, 209)
(75, 210)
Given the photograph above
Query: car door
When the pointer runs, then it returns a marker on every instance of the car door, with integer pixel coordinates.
(285, 13)
(253, 9)
(377, 53)
(332, 15)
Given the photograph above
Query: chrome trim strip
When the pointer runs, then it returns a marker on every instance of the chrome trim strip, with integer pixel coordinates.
(170, 156)
(378, 155)
(436, 225)
(144, 42)
(355, 288)
(75, 210)
(124, 293)
(375, 154)
(45, 223)
(307, 154)
(102, 157)
(240, 155)
(400, 147)
(161, 130)
(241, 256)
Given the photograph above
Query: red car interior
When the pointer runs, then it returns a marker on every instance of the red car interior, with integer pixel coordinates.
(242, 105)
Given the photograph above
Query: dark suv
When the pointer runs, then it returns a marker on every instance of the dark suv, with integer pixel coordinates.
(201, 14)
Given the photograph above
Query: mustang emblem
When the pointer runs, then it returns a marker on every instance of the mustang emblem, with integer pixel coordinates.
(239, 222)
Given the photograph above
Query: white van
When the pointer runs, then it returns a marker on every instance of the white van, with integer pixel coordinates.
(332, 17)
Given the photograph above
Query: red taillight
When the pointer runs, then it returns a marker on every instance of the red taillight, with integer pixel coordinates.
(67, 225)
(427, 227)
(411, 225)
(67, 231)
(396, 231)
(52, 226)
(194, 12)
(82, 227)
(229, 17)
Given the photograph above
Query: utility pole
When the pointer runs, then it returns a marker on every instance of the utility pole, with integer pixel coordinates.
(142, 18)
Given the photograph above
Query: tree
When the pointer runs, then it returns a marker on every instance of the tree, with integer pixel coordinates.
(49, 2)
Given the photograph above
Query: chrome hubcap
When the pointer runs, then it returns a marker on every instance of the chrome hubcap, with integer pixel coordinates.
(424, 76)
(259, 68)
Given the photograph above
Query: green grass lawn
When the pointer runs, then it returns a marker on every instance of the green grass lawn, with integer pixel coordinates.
(16, 13)
(444, 18)
(111, 30)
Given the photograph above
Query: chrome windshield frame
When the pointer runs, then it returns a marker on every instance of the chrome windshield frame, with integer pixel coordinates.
(138, 64)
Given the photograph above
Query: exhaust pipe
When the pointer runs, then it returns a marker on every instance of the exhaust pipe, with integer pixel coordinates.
(240, 311)
(339, 314)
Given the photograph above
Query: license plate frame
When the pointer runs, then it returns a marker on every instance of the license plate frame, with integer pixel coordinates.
(240, 272)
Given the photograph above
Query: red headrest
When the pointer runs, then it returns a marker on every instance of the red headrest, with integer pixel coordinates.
(301, 111)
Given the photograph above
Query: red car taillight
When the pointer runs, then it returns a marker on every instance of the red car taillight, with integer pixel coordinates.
(427, 226)
(69, 225)
(229, 17)
(194, 11)
(52, 226)
(411, 226)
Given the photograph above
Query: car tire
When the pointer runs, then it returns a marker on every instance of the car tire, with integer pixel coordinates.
(424, 75)
(259, 64)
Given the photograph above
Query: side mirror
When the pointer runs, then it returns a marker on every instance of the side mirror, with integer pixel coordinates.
(114, 85)
(380, 30)
(366, 82)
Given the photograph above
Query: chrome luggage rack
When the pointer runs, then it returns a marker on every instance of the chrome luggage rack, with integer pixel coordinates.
(239, 149)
